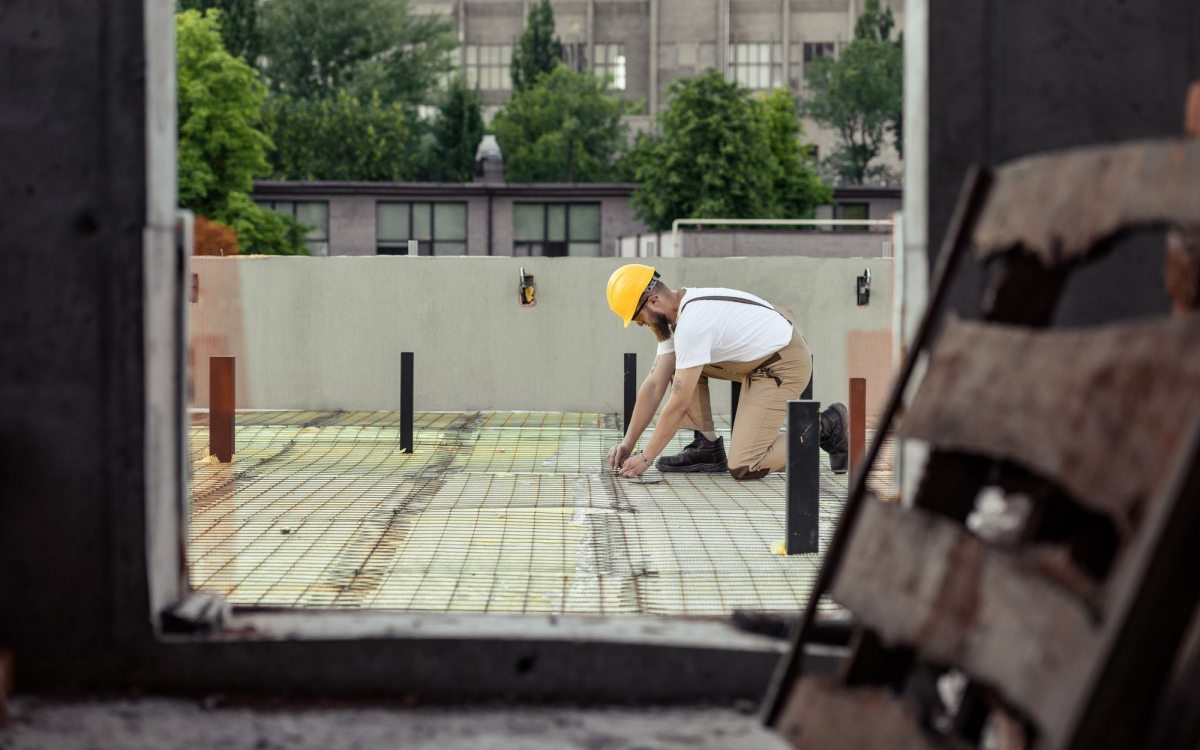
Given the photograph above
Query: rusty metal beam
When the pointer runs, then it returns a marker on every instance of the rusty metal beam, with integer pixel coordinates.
(1059, 206)
(221, 405)
(858, 422)
(1099, 412)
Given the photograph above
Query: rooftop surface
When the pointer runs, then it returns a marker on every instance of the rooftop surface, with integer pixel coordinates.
(494, 512)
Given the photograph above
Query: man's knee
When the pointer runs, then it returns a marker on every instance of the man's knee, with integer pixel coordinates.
(742, 473)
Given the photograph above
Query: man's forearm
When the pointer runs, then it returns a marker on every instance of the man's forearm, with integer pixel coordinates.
(668, 423)
(648, 397)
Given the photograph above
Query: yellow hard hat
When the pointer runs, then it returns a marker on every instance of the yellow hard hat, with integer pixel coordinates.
(625, 288)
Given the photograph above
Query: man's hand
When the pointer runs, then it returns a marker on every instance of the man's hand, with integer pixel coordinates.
(617, 456)
(635, 465)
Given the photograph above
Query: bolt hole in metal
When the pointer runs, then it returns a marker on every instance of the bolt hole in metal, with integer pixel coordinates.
(493, 512)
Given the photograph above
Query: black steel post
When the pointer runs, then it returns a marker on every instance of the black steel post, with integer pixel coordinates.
(803, 476)
(735, 392)
(406, 402)
(630, 388)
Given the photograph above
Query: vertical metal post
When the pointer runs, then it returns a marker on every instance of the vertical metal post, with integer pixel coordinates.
(630, 389)
(858, 422)
(735, 392)
(803, 476)
(220, 407)
(406, 402)
(807, 395)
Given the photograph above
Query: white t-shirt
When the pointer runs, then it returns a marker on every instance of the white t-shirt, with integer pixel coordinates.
(719, 331)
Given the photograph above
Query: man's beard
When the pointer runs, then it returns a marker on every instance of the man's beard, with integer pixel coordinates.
(660, 325)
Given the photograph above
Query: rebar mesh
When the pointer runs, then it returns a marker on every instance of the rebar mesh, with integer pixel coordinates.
(494, 512)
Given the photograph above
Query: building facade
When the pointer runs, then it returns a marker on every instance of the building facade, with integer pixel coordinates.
(532, 219)
(645, 45)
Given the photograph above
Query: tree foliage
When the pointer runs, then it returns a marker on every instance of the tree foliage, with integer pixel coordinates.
(859, 94)
(456, 134)
(221, 148)
(723, 155)
(342, 138)
(315, 48)
(538, 50)
(797, 189)
(564, 128)
(239, 25)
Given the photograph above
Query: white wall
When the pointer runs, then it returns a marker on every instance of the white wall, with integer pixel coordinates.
(327, 333)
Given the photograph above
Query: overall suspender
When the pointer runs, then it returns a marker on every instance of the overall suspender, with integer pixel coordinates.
(743, 300)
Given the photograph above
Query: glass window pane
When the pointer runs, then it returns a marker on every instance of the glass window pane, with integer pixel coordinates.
(472, 54)
(315, 215)
(472, 77)
(506, 79)
(287, 208)
(556, 222)
(527, 222)
(392, 221)
(450, 221)
(421, 227)
(599, 52)
(506, 54)
(584, 250)
(449, 248)
(318, 248)
(585, 222)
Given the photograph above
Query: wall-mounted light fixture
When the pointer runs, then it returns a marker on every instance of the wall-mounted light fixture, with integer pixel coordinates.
(864, 287)
(526, 289)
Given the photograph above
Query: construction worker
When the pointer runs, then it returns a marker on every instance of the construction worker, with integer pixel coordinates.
(724, 334)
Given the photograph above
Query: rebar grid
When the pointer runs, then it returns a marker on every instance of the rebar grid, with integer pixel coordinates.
(508, 512)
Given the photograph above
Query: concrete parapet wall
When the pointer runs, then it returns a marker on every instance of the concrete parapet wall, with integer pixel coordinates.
(327, 333)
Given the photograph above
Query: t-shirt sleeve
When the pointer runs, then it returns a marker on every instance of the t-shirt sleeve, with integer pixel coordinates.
(666, 347)
(693, 346)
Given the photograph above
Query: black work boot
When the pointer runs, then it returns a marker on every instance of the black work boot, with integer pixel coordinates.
(835, 437)
(701, 455)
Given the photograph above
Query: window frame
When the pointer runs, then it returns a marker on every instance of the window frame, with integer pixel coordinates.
(501, 67)
(272, 204)
(618, 82)
(567, 240)
(433, 240)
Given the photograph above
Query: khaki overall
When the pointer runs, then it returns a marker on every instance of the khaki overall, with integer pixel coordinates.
(758, 447)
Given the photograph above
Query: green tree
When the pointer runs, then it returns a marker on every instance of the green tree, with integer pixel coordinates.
(859, 94)
(797, 189)
(538, 50)
(315, 48)
(221, 149)
(239, 25)
(564, 128)
(456, 134)
(342, 138)
(722, 155)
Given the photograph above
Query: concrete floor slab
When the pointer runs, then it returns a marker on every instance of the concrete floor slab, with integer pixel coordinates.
(494, 512)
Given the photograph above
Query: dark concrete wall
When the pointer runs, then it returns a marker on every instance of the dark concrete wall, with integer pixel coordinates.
(1015, 77)
(72, 208)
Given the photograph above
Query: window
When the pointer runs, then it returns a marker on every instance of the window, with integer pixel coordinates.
(438, 228)
(488, 66)
(313, 214)
(813, 50)
(755, 66)
(574, 54)
(556, 229)
(856, 211)
(610, 61)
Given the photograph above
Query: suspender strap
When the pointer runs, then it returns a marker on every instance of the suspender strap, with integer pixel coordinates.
(742, 300)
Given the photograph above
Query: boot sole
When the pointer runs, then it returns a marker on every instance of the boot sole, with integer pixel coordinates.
(695, 468)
